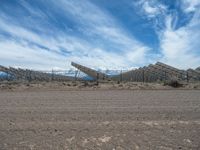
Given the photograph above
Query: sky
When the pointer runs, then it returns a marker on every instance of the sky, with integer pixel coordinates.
(103, 34)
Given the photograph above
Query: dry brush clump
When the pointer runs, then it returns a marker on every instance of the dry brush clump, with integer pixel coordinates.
(173, 83)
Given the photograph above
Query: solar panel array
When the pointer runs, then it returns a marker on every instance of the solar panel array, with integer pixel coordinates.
(30, 75)
(90, 72)
(151, 73)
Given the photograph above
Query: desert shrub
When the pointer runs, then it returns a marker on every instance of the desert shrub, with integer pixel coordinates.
(86, 83)
(173, 83)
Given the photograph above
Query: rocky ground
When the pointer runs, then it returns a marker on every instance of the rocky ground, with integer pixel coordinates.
(99, 119)
(87, 85)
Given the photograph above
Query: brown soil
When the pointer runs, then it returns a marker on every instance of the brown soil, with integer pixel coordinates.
(99, 119)
(83, 85)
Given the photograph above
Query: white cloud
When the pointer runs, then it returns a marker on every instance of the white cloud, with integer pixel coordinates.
(17, 50)
(190, 5)
(21, 54)
(151, 8)
(181, 47)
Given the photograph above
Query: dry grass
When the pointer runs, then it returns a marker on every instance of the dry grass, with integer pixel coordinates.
(86, 85)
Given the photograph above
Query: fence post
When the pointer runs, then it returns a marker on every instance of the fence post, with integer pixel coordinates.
(52, 77)
(76, 73)
(97, 78)
(30, 76)
(143, 75)
(7, 76)
(121, 76)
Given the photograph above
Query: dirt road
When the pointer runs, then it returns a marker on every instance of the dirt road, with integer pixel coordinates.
(101, 119)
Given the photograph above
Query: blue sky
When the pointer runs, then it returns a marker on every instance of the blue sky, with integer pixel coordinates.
(115, 34)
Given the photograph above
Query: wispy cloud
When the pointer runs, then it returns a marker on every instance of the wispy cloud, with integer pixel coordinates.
(152, 8)
(178, 46)
(101, 42)
(181, 47)
(51, 34)
(190, 5)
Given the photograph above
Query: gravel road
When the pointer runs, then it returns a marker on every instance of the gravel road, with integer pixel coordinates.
(100, 119)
